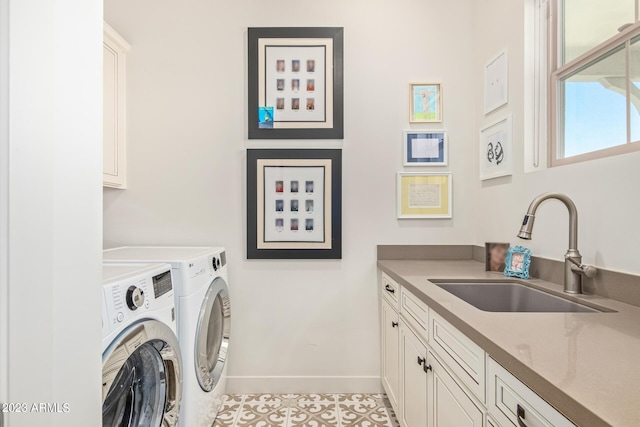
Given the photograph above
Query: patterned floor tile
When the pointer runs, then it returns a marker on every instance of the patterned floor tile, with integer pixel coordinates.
(228, 411)
(306, 410)
(262, 415)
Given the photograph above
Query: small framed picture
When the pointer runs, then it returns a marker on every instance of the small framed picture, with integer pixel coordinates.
(425, 148)
(424, 195)
(496, 256)
(518, 262)
(496, 150)
(496, 82)
(425, 103)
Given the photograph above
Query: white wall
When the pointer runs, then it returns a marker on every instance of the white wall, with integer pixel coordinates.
(186, 136)
(605, 191)
(51, 205)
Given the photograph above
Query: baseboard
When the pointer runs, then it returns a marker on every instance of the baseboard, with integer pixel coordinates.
(244, 385)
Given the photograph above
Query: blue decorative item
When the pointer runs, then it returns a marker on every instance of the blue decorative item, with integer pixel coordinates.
(265, 117)
(518, 262)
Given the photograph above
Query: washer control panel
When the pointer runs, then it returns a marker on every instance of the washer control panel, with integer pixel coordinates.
(216, 262)
(133, 296)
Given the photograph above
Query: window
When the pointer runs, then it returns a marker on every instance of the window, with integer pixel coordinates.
(594, 64)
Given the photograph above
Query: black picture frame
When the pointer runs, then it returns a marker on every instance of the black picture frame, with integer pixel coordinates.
(335, 33)
(335, 156)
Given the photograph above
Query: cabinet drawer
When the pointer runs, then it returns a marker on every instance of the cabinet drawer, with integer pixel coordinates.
(415, 312)
(509, 399)
(391, 291)
(464, 357)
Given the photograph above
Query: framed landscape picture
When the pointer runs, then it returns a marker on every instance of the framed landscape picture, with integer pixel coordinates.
(424, 195)
(425, 103)
(294, 204)
(425, 148)
(298, 73)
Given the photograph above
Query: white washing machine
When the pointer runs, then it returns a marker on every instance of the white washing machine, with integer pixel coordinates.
(141, 360)
(204, 322)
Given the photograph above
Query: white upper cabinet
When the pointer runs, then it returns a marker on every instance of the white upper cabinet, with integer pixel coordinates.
(115, 100)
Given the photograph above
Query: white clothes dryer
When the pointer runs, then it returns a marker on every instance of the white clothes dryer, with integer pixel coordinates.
(141, 359)
(204, 322)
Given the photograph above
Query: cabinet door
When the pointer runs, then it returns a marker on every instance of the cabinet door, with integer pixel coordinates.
(450, 405)
(413, 379)
(114, 114)
(390, 352)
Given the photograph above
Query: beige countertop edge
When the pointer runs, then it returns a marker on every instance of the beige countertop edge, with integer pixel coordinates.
(576, 411)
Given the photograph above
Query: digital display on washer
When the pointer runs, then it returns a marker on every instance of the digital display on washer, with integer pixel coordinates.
(162, 284)
(223, 259)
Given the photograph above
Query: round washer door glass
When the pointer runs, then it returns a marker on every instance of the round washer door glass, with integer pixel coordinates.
(137, 395)
(212, 335)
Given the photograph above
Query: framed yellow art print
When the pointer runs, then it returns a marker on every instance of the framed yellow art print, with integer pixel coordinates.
(424, 195)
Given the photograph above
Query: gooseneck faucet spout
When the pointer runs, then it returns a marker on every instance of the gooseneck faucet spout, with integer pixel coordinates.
(574, 269)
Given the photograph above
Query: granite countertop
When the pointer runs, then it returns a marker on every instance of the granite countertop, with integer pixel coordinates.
(583, 364)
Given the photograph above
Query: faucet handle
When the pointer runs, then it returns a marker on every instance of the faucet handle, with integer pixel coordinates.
(586, 270)
(589, 271)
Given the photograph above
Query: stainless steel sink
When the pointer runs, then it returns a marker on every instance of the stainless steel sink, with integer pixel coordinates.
(512, 297)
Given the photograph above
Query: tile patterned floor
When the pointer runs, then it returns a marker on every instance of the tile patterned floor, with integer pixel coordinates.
(306, 410)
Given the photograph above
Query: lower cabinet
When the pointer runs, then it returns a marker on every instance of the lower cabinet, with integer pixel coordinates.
(429, 395)
(450, 405)
(437, 379)
(390, 352)
(414, 387)
(492, 423)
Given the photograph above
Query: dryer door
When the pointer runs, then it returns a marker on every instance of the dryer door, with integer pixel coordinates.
(212, 335)
(142, 378)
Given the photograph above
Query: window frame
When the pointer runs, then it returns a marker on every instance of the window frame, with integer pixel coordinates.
(556, 73)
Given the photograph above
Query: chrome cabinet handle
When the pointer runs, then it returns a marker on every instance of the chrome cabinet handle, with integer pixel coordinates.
(521, 422)
(394, 324)
(389, 289)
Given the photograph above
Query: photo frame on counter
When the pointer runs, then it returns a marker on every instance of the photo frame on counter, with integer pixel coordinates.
(424, 195)
(518, 262)
(298, 71)
(496, 256)
(425, 103)
(425, 148)
(496, 156)
(294, 204)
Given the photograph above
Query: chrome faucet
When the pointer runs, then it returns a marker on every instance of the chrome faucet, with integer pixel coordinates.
(573, 267)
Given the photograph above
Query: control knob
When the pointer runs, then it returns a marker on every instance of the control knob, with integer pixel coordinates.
(135, 298)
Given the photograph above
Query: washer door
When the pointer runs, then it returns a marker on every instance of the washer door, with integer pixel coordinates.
(142, 378)
(212, 335)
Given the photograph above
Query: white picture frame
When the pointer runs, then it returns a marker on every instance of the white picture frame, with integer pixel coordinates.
(425, 147)
(496, 82)
(496, 149)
